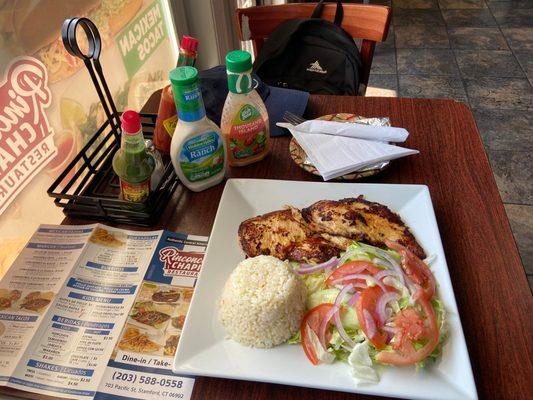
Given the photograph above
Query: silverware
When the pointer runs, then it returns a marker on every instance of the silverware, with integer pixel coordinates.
(294, 120)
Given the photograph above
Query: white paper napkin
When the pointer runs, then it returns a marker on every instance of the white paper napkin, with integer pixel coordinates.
(360, 131)
(334, 156)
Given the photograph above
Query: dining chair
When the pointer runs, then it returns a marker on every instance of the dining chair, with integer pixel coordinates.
(362, 21)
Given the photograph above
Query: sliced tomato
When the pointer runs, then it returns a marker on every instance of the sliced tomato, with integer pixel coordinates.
(366, 304)
(410, 326)
(313, 318)
(350, 268)
(416, 270)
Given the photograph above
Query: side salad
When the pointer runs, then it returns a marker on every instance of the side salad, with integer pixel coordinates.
(371, 306)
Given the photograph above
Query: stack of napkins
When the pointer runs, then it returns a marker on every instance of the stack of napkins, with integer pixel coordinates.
(339, 148)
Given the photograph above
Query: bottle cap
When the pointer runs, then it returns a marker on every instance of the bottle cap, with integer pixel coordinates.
(184, 76)
(149, 144)
(239, 68)
(238, 61)
(189, 43)
(131, 122)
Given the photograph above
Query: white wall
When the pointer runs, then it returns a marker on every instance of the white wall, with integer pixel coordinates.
(211, 22)
(201, 25)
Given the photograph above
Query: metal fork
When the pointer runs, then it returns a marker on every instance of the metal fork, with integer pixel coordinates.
(292, 118)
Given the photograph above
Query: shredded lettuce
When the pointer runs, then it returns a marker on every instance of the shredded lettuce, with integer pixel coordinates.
(361, 363)
(336, 346)
(395, 283)
(355, 253)
(321, 296)
(362, 356)
(440, 314)
(296, 338)
(336, 340)
(315, 282)
(348, 314)
(371, 252)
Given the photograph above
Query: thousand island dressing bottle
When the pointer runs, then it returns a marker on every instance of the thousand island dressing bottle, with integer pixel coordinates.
(244, 121)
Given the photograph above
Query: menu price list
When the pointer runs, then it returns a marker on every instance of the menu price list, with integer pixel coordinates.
(84, 331)
(30, 286)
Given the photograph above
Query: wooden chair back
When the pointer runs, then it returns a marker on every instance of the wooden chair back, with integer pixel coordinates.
(362, 21)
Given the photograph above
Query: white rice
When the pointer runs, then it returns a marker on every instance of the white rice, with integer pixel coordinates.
(263, 302)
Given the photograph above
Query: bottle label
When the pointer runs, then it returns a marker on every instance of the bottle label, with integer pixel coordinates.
(202, 157)
(189, 102)
(170, 124)
(248, 131)
(240, 82)
(137, 193)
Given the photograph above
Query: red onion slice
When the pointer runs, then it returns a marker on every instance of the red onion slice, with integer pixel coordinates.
(309, 269)
(337, 315)
(354, 299)
(395, 283)
(360, 285)
(389, 329)
(380, 263)
(345, 257)
(370, 324)
(392, 262)
(361, 276)
(413, 288)
(324, 325)
(385, 299)
(387, 272)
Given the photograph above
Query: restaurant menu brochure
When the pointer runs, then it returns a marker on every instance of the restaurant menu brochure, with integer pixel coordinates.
(90, 311)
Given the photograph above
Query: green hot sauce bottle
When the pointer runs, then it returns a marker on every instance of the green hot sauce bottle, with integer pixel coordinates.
(132, 163)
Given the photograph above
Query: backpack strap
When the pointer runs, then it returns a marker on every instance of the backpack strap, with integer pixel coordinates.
(339, 12)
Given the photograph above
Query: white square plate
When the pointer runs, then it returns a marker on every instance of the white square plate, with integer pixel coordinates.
(204, 350)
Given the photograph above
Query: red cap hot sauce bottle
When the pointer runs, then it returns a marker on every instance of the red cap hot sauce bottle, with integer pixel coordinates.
(132, 163)
(166, 115)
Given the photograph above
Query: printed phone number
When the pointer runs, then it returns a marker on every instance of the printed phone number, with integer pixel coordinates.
(146, 380)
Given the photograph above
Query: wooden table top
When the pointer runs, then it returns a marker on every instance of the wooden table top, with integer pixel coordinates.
(488, 278)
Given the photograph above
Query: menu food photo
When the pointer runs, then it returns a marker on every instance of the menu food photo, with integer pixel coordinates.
(89, 311)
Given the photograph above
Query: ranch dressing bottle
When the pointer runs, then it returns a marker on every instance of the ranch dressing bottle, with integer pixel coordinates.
(244, 121)
(197, 148)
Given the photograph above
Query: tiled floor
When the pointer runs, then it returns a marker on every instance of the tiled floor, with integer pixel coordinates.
(479, 52)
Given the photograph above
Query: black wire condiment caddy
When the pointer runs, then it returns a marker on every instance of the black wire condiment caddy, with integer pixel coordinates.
(88, 187)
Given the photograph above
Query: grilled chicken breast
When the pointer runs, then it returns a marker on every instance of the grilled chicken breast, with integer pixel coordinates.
(323, 230)
(272, 234)
(346, 220)
(314, 249)
(284, 234)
